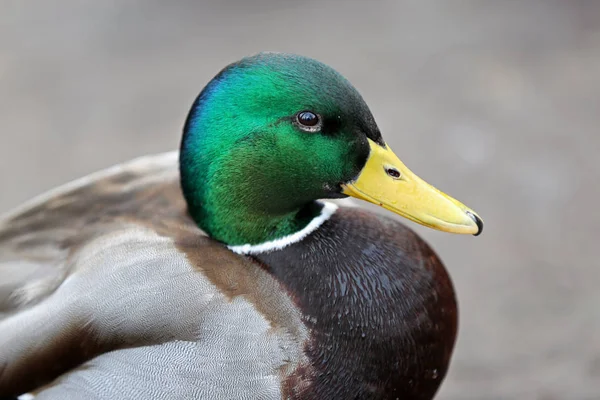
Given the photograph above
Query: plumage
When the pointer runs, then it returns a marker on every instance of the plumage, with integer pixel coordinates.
(110, 288)
(114, 263)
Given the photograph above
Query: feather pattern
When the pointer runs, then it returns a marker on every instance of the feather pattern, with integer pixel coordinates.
(109, 290)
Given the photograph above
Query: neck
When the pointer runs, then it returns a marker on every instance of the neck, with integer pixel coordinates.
(249, 229)
(235, 224)
(327, 211)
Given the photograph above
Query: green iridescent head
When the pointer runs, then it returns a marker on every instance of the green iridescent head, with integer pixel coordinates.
(268, 136)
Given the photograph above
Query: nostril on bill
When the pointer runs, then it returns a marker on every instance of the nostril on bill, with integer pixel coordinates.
(393, 172)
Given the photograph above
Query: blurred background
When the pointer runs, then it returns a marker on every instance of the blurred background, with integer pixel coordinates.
(494, 102)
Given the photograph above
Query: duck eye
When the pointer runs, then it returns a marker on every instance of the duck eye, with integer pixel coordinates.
(307, 119)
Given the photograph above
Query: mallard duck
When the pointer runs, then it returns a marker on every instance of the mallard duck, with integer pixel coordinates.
(223, 271)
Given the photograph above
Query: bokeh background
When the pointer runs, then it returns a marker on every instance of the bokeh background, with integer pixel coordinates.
(495, 102)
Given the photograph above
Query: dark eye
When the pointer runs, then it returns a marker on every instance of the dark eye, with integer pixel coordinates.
(308, 119)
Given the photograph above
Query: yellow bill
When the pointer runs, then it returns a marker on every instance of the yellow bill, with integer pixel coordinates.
(387, 182)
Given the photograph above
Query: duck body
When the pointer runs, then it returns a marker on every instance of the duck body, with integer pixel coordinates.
(218, 273)
(113, 282)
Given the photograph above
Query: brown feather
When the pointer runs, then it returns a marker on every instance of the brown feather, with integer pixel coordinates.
(49, 240)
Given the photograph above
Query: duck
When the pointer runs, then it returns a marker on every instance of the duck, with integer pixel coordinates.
(231, 269)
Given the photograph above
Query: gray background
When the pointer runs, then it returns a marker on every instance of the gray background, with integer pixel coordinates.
(495, 102)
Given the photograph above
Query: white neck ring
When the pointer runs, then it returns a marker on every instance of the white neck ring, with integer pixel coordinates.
(328, 210)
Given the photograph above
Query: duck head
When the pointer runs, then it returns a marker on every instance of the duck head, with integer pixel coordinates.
(272, 133)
